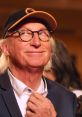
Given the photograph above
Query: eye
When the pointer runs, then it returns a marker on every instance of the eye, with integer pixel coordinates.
(15, 34)
(25, 32)
(44, 33)
(22, 32)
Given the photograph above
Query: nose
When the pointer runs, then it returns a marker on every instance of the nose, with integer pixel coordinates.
(36, 42)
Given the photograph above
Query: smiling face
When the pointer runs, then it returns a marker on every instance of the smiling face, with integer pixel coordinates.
(34, 53)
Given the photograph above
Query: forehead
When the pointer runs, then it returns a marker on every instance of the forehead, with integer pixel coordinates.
(33, 26)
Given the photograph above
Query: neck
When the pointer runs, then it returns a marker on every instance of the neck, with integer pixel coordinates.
(30, 77)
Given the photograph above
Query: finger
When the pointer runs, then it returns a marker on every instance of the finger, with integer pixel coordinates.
(34, 100)
(29, 113)
(41, 98)
(32, 107)
(38, 96)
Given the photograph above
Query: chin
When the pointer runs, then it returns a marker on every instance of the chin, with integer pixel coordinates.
(36, 65)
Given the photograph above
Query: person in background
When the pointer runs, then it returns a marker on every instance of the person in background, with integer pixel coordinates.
(24, 91)
(64, 71)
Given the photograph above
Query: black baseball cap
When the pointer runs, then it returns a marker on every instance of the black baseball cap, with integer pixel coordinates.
(23, 15)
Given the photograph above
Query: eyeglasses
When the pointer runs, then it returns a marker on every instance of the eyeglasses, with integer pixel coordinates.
(27, 35)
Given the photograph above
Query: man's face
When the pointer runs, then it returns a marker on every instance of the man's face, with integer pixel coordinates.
(34, 53)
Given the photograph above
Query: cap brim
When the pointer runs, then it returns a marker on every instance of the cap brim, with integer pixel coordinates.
(49, 19)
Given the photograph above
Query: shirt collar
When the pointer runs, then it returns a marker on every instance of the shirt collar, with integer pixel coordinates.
(19, 87)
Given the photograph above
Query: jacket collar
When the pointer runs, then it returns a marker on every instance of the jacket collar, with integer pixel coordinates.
(9, 99)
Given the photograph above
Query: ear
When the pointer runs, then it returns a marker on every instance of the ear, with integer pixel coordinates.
(4, 47)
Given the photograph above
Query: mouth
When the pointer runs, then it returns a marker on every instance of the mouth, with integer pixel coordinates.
(35, 52)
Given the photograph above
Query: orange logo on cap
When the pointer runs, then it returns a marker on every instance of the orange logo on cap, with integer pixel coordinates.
(28, 10)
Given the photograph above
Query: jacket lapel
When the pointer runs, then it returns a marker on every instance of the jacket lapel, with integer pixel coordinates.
(8, 96)
(53, 94)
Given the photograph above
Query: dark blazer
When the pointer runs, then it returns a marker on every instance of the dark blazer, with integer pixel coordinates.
(64, 101)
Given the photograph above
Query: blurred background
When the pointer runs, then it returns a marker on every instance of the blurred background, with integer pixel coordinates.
(68, 14)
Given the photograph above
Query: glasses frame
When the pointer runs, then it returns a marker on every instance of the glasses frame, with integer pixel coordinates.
(8, 34)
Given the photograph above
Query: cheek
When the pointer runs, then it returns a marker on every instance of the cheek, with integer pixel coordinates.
(49, 50)
(16, 45)
(14, 48)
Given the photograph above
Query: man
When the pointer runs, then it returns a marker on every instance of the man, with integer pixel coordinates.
(24, 92)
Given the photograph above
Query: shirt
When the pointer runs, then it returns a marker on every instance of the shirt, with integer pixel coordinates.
(22, 92)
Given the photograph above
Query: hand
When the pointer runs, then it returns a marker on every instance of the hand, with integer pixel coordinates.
(40, 106)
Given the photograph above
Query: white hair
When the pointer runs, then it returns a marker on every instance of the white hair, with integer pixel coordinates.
(49, 64)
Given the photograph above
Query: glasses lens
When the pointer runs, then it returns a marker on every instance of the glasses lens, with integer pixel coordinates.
(44, 35)
(25, 35)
